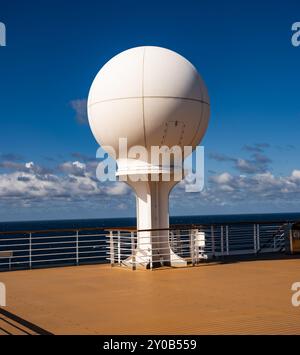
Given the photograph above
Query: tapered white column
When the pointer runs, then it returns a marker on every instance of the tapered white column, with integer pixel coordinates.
(152, 203)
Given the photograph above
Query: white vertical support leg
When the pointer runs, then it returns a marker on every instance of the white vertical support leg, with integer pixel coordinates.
(153, 214)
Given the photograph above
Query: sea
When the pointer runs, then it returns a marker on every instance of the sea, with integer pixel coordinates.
(131, 221)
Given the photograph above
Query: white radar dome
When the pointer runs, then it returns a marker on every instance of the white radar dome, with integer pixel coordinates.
(150, 95)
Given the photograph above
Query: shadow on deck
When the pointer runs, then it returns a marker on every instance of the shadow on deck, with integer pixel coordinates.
(11, 324)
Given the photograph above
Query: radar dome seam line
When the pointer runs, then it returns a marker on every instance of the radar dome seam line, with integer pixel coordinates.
(143, 103)
(150, 97)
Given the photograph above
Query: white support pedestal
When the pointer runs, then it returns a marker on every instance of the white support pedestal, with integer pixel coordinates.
(152, 203)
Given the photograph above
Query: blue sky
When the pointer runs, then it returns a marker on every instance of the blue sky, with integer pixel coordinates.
(243, 52)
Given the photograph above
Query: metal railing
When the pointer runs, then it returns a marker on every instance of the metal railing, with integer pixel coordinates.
(195, 244)
(53, 247)
(121, 246)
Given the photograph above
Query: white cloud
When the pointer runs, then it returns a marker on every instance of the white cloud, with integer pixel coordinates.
(227, 188)
(258, 162)
(296, 175)
(28, 183)
(73, 182)
(117, 188)
(80, 108)
(223, 178)
(79, 165)
(74, 168)
(29, 165)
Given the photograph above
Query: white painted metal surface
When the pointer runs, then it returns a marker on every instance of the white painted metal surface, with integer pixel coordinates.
(143, 91)
(153, 97)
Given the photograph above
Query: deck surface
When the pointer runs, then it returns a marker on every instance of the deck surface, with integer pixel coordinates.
(246, 297)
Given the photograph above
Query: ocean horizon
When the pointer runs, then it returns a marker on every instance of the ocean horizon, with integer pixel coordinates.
(131, 221)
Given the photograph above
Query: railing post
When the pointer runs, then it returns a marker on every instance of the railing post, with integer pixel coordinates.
(30, 250)
(291, 240)
(119, 248)
(227, 240)
(196, 246)
(212, 231)
(112, 249)
(258, 236)
(133, 252)
(191, 243)
(254, 239)
(171, 239)
(178, 241)
(192, 247)
(222, 240)
(77, 248)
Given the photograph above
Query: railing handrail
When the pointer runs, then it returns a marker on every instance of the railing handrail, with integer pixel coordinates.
(53, 230)
(134, 229)
(194, 226)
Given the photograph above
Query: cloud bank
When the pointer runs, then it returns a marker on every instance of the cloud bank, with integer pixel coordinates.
(239, 184)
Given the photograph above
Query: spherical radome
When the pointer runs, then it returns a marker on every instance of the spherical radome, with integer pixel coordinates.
(150, 95)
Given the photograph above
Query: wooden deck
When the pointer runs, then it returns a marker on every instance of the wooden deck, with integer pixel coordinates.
(241, 297)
